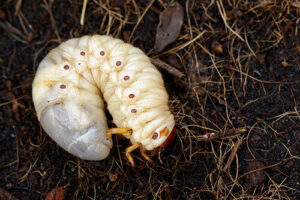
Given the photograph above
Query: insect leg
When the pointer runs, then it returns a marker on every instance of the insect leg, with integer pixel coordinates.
(123, 131)
(143, 152)
(130, 149)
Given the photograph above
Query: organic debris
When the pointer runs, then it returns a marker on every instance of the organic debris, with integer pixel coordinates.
(56, 194)
(256, 174)
(217, 47)
(169, 27)
(160, 64)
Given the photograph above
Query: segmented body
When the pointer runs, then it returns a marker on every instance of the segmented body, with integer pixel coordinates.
(71, 81)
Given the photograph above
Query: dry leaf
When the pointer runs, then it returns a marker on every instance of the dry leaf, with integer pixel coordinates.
(169, 26)
(56, 194)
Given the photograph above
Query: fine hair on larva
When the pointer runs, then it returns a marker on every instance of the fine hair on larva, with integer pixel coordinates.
(73, 81)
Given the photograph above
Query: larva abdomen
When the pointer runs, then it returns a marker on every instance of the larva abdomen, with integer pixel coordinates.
(71, 81)
(87, 143)
(73, 124)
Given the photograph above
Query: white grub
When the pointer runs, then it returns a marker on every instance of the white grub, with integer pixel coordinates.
(71, 81)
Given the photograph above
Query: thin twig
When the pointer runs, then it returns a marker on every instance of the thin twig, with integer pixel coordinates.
(167, 67)
(233, 153)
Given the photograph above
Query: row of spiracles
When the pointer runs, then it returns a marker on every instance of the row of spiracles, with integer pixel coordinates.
(73, 81)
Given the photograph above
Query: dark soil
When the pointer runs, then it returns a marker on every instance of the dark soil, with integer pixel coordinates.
(237, 108)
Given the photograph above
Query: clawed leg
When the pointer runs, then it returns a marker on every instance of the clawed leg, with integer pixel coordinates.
(129, 150)
(122, 131)
(143, 152)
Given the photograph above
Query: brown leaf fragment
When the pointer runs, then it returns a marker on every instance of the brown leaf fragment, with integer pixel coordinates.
(257, 174)
(4, 195)
(284, 63)
(56, 194)
(261, 58)
(157, 62)
(113, 177)
(169, 27)
(217, 47)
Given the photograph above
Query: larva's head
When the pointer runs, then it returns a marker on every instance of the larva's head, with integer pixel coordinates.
(162, 135)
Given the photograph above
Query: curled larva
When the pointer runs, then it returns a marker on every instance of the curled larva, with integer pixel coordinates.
(72, 79)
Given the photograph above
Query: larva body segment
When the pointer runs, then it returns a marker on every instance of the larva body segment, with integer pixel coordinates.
(71, 81)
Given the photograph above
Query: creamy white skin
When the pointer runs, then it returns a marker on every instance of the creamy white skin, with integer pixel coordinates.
(71, 81)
